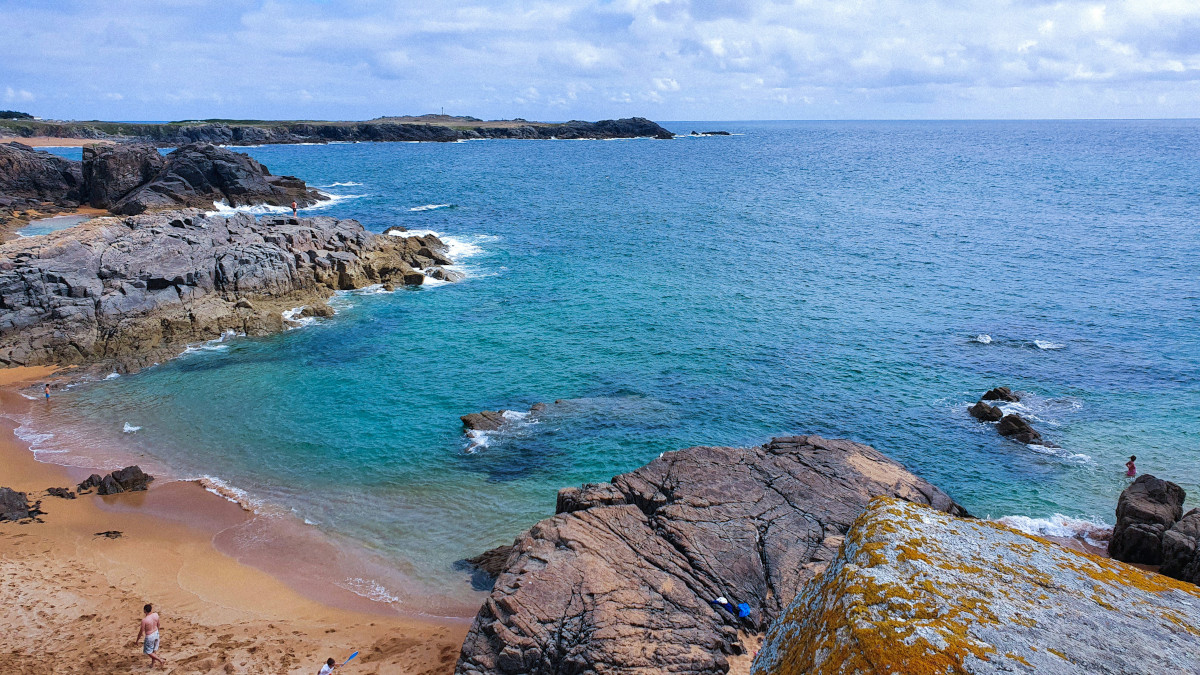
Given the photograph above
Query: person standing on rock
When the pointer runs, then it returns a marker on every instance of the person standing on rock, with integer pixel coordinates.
(1130, 469)
(149, 629)
(293, 208)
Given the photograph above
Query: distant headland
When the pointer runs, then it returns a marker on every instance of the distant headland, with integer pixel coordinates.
(434, 128)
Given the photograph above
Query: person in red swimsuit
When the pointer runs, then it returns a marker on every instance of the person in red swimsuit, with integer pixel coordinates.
(1131, 470)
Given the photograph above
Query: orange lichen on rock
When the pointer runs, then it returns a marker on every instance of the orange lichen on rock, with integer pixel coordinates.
(914, 591)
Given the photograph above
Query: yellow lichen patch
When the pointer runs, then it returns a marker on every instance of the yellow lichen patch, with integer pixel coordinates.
(915, 591)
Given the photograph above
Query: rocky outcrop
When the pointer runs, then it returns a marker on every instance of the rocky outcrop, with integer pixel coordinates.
(129, 479)
(1015, 427)
(30, 177)
(1001, 394)
(129, 292)
(13, 505)
(197, 175)
(112, 171)
(1181, 548)
(492, 420)
(1145, 511)
(985, 413)
(60, 492)
(621, 581)
(918, 591)
(176, 134)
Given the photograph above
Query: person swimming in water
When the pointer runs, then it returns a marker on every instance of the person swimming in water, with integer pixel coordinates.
(1131, 469)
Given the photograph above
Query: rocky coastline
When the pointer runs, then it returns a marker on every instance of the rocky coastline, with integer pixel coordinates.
(119, 294)
(263, 133)
(833, 558)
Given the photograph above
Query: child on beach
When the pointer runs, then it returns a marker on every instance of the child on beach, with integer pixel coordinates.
(47, 391)
(1130, 469)
(328, 667)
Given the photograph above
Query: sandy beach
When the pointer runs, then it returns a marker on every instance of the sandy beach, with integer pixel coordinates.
(54, 141)
(72, 598)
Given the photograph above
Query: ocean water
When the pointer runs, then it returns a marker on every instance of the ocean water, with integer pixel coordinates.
(866, 280)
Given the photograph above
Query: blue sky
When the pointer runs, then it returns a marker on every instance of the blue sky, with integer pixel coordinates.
(579, 59)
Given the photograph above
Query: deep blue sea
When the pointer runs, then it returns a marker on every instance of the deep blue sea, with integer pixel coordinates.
(866, 280)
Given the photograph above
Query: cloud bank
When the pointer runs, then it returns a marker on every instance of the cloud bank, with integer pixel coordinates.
(665, 59)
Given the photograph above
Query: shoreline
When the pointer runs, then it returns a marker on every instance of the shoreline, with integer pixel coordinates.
(55, 141)
(216, 608)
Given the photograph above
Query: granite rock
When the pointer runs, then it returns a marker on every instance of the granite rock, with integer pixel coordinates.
(1145, 511)
(918, 591)
(1001, 394)
(1181, 548)
(13, 505)
(199, 174)
(1016, 428)
(129, 292)
(112, 171)
(985, 413)
(621, 581)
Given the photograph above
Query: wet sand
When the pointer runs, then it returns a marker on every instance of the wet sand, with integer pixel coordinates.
(72, 599)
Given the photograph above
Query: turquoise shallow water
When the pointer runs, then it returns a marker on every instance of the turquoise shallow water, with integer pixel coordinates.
(865, 280)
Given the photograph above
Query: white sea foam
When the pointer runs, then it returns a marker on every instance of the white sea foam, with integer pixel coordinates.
(430, 207)
(1093, 532)
(459, 249)
(983, 338)
(348, 183)
(238, 496)
(129, 428)
(1046, 344)
(292, 318)
(1061, 453)
(477, 440)
(370, 589)
(214, 345)
(112, 376)
(328, 199)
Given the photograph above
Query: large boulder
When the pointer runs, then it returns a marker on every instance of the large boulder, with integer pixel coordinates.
(112, 171)
(985, 413)
(129, 479)
(200, 174)
(487, 420)
(36, 175)
(1145, 511)
(1016, 428)
(130, 292)
(918, 591)
(1001, 394)
(1181, 548)
(13, 504)
(624, 581)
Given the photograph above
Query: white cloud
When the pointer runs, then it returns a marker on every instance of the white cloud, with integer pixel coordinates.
(582, 58)
(17, 95)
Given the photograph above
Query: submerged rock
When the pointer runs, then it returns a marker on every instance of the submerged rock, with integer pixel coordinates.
(1016, 428)
(491, 562)
(985, 413)
(1145, 511)
(622, 580)
(918, 591)
(134, 291)
(1001, 394)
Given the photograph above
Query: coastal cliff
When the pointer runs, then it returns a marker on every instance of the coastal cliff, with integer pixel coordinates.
(263, 132)
(623, 578)
(135, 178)
(914, 590)
(129, 292)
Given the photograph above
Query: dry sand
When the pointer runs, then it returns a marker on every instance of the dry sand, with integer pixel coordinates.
(72, 600)
(54, 141)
